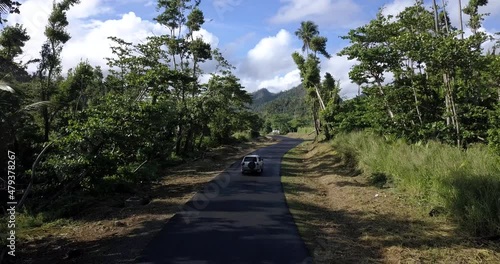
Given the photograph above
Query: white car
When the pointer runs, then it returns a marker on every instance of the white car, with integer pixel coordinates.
(252, 163)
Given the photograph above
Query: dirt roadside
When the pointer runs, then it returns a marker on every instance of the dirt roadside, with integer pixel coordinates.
(343, 219)
(110, 232)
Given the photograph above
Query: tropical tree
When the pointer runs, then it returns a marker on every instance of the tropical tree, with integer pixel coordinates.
(49, 67)
(307, 31)
(12, 41)
(310, 67)
(8, 6)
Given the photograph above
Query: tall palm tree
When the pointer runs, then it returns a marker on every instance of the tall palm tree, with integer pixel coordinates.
(5, 6)
(8, 6)
(307, 31)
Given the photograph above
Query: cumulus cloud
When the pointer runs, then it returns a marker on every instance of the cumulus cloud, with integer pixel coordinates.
(396, 7)
(269, 64)
(333, 13)
(270, 57)
(207, 37)
(340, 67)
(89, 36)
(92, 43)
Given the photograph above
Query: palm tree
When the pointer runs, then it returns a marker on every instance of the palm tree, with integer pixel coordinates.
(7, 6)
(307, 31)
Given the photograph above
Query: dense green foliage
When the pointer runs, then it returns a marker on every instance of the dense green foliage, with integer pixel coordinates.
(114, 132)
(261, 98)
(420, 78)
(429, 106)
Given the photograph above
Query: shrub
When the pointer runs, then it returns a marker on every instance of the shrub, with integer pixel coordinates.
(103, 145)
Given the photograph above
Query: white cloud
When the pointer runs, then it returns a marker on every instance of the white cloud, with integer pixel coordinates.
(270, 57)
(92, 43)
(270, 65)
(207, 37)
(333, 13)
(223, 6)
(88, 8)
(281, 83)
(340, 67)
(89, 37)
(396, 7)
(150, 3)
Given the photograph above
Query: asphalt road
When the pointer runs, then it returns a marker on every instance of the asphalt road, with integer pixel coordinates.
(234, 219)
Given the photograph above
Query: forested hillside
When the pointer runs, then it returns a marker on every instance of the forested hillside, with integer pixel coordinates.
(261, 97)
(285, 111)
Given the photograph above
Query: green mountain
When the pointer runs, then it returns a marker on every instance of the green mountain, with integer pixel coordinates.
(261, 97)
(290, 102)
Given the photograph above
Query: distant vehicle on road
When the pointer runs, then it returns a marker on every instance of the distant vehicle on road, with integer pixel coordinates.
(252, 163)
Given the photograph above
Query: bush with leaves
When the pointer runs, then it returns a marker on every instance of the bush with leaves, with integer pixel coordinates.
(105, 144)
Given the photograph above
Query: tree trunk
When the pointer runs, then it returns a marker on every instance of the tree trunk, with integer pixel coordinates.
(322, 104)
(446, 18)
(386, 103)
(452, 109)
(436, 19)
(178, 140)
(416, 105)
(200, 140)
(447, 104)
(461, 18)
(189, 139)
(315, 119)
(498, 89)
(415, 95)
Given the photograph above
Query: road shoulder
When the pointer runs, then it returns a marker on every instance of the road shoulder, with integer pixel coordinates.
(343, 219)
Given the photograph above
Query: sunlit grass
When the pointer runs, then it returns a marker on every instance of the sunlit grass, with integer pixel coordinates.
(465, 182)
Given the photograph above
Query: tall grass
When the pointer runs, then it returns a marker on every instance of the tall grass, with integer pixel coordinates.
(465, 182)
(305, 130)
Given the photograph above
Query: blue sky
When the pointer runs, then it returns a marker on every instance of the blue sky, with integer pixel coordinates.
(256, 36)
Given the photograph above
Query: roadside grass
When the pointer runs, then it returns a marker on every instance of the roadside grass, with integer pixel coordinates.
(343, 218)
(465, 184)
(305, 130)
(110, 231)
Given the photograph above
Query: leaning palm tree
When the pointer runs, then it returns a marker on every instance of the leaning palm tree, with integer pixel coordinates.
(307, 31)
(8, 6)
(5, 6)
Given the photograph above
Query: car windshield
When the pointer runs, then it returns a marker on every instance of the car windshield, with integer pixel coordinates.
(248, 159)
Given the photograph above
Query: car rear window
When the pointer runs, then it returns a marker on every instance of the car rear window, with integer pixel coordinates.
(248, 159)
